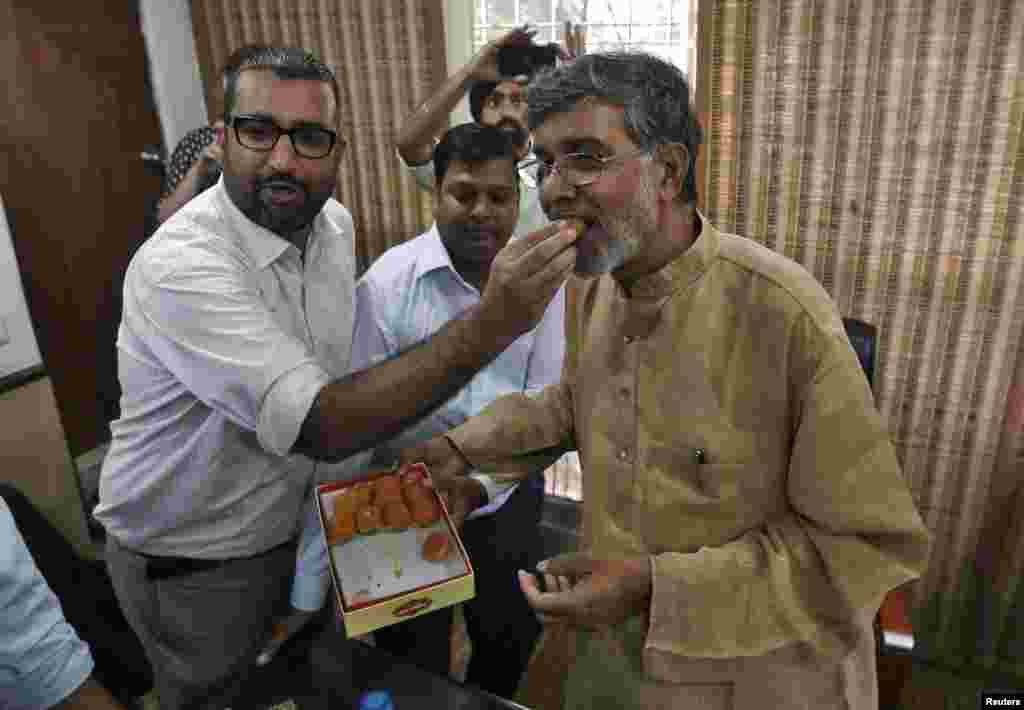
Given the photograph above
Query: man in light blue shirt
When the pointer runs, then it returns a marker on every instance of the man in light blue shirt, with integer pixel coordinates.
(43, 662)
(412, 291)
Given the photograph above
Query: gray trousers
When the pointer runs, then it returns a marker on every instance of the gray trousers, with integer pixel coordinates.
(201, 630)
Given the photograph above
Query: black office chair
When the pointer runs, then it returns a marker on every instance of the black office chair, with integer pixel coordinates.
(864, 339)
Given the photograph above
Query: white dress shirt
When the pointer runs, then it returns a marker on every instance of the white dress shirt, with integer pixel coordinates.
(227, 336)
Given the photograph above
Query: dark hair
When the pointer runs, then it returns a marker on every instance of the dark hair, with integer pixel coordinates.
(654, 93)
(526, 61)
(473, 143)
(478, 94)
(285, 62)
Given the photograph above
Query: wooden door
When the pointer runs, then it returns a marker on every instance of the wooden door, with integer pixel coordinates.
(79, 114)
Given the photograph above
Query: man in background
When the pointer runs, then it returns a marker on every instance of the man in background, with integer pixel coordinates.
(744, 509)
(195, 164)
(234, 353)
(494, 100)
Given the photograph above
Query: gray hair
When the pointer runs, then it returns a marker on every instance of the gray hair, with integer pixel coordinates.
(654, 94)
(285, 62)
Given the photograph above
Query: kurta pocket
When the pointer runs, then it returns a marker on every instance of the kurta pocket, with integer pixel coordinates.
(694, 505)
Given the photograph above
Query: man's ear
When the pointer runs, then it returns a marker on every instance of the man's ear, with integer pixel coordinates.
(676, 161)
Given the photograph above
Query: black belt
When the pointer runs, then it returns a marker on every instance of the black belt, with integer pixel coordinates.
(159, 567)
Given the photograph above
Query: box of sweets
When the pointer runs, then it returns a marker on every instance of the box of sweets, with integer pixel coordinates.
(394, 552)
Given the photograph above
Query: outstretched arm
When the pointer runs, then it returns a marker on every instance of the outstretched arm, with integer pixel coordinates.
(415, 141)
(368, 407)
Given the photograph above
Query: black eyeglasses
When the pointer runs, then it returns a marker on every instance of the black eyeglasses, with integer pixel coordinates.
(261, 133)
(577, 169)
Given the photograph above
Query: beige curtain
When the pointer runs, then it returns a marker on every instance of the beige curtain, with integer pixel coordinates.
(389, 56)
(881, 144)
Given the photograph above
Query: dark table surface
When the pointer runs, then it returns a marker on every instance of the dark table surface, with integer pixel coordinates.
(321, 669)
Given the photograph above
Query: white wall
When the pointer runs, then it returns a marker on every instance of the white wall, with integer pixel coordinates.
(177, 85)
(458, 26)
(18, 347)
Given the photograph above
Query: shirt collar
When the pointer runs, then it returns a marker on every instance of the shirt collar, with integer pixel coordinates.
(260, 243)
(524, 175)
(432, 254)
(682, 271)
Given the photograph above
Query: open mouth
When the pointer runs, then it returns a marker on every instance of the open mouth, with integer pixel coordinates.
(282, 194)
(595, 251)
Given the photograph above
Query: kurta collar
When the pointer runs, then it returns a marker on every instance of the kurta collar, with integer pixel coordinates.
(682, 271)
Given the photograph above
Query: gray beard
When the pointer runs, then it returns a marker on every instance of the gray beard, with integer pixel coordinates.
(597, 252)
(595, 262)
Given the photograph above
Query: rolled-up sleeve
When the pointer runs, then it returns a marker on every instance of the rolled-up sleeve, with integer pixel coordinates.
(210, 326)
(422, 172)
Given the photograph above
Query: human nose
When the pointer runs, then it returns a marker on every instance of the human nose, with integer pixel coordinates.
(283, 153)
(555, 184)
(481, 209)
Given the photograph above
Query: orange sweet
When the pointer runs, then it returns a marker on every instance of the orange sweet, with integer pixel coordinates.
(363, 492)
(397, 516)
(343, 527)
(437, 547)
(368, 519)
(425, 510)
(346, 501)
(387, 489)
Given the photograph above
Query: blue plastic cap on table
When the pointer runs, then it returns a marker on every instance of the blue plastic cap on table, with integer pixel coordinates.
(376, 700)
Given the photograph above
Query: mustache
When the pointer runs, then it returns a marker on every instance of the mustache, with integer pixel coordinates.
(518, 132)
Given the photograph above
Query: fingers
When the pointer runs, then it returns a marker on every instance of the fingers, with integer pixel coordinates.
(543, 250)
(553, 275)
(552, 605)
(569, 565)
(517, 247)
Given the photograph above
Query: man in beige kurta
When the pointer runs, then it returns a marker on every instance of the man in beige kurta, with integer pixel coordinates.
(744, 511)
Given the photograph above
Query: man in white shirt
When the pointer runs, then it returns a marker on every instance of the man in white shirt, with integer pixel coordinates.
(234, 359)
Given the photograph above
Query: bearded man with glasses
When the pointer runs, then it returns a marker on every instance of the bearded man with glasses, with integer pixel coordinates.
(234, 352)
(744, 509)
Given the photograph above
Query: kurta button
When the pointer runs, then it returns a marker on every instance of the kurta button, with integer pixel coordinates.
(628, 339)
(624, 455)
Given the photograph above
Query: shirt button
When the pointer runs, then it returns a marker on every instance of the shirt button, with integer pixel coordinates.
(628, 339)
(625, 392)
(624, 455)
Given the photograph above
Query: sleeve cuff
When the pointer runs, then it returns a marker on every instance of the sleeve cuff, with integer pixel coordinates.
(422, 172)
(498, 494)
(75, 672)
(287, 405)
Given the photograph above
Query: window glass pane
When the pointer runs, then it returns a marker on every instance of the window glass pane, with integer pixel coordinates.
(535, 11)
(499, 12)
(656, 26)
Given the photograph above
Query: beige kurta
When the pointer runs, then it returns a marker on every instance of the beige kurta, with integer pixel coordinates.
(772, 556)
